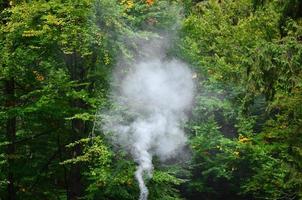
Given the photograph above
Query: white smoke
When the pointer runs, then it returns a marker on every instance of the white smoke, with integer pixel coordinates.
(150, 105)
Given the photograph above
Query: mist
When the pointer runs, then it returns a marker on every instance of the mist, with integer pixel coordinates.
(150, 102)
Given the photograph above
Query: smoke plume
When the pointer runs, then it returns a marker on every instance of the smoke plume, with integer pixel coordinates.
(150, 104)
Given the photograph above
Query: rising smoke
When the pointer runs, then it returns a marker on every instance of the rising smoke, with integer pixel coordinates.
(150, 103)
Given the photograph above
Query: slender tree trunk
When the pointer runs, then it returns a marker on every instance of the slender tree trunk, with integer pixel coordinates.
(61, 160)
(11, 137)
(75, 182)
(75, 185)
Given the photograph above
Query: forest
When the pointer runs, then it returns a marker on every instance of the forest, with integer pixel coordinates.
(150, 99)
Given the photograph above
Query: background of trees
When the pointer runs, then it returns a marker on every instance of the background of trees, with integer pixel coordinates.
(245, 128)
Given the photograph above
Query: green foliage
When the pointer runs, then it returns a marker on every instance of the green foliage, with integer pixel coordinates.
(114, 178)
(59, 56)
(246, 124)
(245, 128)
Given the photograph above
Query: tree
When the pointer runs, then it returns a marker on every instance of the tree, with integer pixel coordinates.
(247, 62)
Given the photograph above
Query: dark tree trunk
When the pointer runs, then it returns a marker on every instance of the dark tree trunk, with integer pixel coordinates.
(75, 185)
(11, 138)
(75, 182)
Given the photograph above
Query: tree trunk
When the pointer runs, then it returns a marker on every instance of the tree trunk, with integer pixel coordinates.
(75, 182)
(75, 186)
(11, 138)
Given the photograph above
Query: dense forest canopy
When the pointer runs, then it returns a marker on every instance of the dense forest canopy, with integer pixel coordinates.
(57, 60)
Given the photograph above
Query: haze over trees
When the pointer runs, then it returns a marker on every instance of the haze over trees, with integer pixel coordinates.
(244, 130)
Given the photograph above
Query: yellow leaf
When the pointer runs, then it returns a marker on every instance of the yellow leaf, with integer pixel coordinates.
(243, 139)
(129, 4)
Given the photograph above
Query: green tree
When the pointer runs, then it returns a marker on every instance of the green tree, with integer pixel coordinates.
(247, 56)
